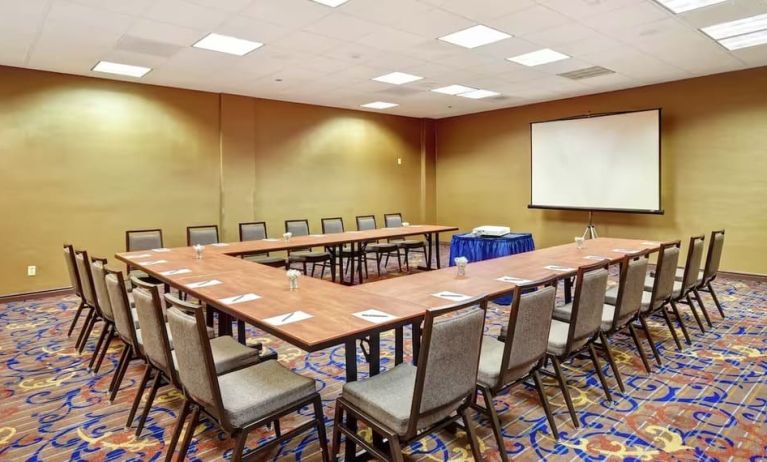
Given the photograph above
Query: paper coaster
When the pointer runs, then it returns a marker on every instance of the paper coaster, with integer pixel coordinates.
(288, 318)
(375, 316)
(201, 284)
(452, 296)
(239, 299)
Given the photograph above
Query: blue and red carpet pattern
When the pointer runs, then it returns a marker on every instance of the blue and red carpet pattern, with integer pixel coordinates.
(708, 402)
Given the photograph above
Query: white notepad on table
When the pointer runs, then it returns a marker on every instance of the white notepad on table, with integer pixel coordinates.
(239, 299)
(375, 316)
(288, 318)
(452, 296)
(513, 280)
(201, 284)
(563, 269)
(176, 272)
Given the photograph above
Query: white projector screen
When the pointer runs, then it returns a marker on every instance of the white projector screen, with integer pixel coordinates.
(604, 162)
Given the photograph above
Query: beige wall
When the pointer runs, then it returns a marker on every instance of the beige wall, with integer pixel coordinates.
(714, 164)
(82, 160)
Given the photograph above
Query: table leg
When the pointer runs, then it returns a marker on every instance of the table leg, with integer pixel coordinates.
(341, 277)
(359, 260)
(350, 450)
(416, 327)
(568, 290)
(224, 324)
(241, 331)
(399, 345)
(429, 250)
(436, 248)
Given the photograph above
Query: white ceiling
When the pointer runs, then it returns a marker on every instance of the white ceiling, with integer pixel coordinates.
(328, 56)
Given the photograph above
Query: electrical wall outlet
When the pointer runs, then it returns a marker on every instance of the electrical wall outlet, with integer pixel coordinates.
(399, 160)
(31, 270)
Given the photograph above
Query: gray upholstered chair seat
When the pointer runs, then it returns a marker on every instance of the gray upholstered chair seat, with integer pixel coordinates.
(680, 274)
(564, 312)
(611, 297)
(254, 392)
(308, 255)
(558, 337)
(228, 355)
(490, 360)
(265, 259)
(410, 244)
(387, 398)
(650, 281)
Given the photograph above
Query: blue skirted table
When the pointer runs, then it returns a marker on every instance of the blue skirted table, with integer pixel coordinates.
(476, 248)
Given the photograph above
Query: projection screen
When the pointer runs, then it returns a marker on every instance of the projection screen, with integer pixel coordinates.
(604, 162)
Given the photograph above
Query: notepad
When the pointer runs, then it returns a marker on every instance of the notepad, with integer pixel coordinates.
(220, 244)
(239, 299)
(162, 249)
(176, 272)
(596, 257)
(625, 250)
(143, 255)
(563, 269)
(271, 239)
(201, 284)
(375, 316)
(288, 318)
(155, 262)
(452, 296)
(513, 280)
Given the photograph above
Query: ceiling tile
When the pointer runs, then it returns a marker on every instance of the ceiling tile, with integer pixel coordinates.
(185, 14)
(529, 20)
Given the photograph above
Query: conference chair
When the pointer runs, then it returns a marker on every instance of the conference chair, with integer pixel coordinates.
(301, 228)
(580, 331)
(407, 402)
(662, 293)
(394, 220)
(94, 315)
(335, 226)
(158, 348)
(98, 270)
(519, 356)
(240, 401)
(74, 279)
(202, 235)
(368, 223)
(625, 301)
(138, 240)
(711, 269)
(256, 231)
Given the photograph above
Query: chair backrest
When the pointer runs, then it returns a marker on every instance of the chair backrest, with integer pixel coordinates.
(196, 369)
(254, 231)
(528, 328)
(393, 220)
(630, 288)
(448, 360)
(143, 239)
(714, 256)
(148, 285)
(202, 235)
(74, 276)
(297, 227)
(120, 303)
(366, 222)
(86, 279)
(588, 303)
(154, 335)
(98, 270)
(692, 265)
(665, 273)
(332, 225)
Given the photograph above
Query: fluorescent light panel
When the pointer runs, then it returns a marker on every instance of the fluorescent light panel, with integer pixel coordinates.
(745, 41)
(737, 27)
(680, 6)
(475, 36)
(536, 58)
(479, 94)
(331, 3)
(379, 105)
(227, 44)
(397, 78)
(121, 69)
(453, 90)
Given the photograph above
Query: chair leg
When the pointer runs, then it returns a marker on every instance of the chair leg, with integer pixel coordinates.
(319, 417)
(472, 434)
(277, 430)
(407, 259)
(702, 307)
(395, 449)
(640, 349)
(149, 402)
(110, 337)
(686, 334)
(595, 360)
(545, 403)
(335, 442)
(76, 318)
(189, 432)
(121, 374)
(716, 299)
(84, 331)
(399, 260)
(650, 340)
(611, 361)
(120, 363)
(139, 394)
(177, 430)
(99, 343)
(239, 446)
(495, 422)
(671, 328)
(695, 313)
(565, 392)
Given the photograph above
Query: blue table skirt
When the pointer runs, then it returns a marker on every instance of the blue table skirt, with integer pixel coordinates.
(476, 248)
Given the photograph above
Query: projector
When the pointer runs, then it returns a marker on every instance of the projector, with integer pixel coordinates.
(491, 231)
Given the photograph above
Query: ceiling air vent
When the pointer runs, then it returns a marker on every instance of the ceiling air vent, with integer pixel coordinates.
(587, 73)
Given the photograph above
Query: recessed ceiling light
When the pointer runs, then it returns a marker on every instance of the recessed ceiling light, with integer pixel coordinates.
(397, 78)
(227, 44)
(737, 27)
(475, 36)
(680, 6)
(744, 41)
(454, 89)
(379, 105)
(121, 69)
(536, 58)
(331, 3)
(479, 94)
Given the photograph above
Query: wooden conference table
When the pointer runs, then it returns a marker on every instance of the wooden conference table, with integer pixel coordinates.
(321, 314)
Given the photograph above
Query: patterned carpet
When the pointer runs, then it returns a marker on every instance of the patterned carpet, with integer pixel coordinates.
(708, 402)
